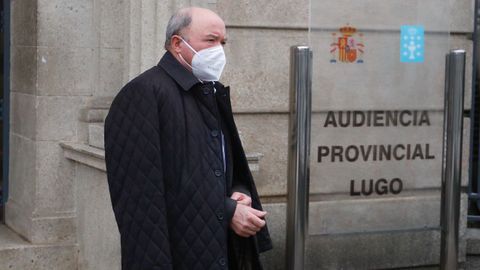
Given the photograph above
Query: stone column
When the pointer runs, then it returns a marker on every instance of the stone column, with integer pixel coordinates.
(54, 45)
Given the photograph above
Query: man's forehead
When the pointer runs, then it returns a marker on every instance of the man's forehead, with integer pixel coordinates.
(207, 23)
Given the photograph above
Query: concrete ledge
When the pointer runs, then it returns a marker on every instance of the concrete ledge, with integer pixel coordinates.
(85, 154)
(95, 157)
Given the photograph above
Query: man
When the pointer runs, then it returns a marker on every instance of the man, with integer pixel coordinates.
(181, 190)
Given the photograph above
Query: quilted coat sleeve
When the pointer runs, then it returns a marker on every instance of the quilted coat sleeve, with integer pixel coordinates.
(135, 178)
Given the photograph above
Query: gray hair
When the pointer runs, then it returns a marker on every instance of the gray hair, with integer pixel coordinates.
(179, 21)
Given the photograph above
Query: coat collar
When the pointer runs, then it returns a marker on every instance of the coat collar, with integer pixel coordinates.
(179, 73)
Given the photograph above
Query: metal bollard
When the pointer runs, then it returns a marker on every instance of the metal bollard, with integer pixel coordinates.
(452, 158)
(298, 154)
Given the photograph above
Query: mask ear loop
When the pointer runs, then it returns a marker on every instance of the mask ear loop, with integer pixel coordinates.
(179, 54)
(186, 43)
(183, 59)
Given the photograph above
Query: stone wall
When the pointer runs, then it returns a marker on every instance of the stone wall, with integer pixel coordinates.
(51, 79)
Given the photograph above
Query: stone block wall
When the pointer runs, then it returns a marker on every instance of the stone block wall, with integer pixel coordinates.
(51, 80)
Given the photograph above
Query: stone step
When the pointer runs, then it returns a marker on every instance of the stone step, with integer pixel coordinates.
(17, 253)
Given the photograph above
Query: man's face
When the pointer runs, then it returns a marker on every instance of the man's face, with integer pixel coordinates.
(206, 30)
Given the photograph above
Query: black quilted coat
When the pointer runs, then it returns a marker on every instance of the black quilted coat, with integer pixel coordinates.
(168, 186)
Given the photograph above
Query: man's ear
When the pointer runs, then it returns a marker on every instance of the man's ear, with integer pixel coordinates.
(175, 43)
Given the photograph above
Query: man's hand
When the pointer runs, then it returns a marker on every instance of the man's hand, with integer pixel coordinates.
(242, 198)
(247, 221)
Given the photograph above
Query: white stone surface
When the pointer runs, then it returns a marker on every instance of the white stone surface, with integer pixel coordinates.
(54, 195)
(267, 134)
(391, 249)
(66, 23)
(258, 72)
(443, 15)
(258, 68)
(17, 217)
(264, 13)
(455, 16)
(99, 239)
(343, 216)
(387, 250)
(110, 72)
(23, 117)
(16, 253)
(54, 230)
(382, 81)
(23, 23)
(23, 69)
(65, 71)
(57, 117)
(22, 171)
(111, 16)
(10, 239)
(96, 115)
(85, 154)
(96, 135)
(145, 34)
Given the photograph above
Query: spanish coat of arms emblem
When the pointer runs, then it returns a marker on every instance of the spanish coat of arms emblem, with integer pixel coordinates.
(347, 47)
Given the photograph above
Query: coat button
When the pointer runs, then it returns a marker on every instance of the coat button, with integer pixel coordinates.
(218, 173)
(205, 90)
(222, 261)
(220, 215)
(214, 133)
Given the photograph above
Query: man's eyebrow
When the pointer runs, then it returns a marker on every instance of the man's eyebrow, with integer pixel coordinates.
(214, 36)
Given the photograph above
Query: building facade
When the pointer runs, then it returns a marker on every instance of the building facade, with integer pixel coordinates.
(70, 57)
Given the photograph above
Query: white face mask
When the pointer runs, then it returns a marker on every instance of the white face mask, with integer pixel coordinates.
(207, 64)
